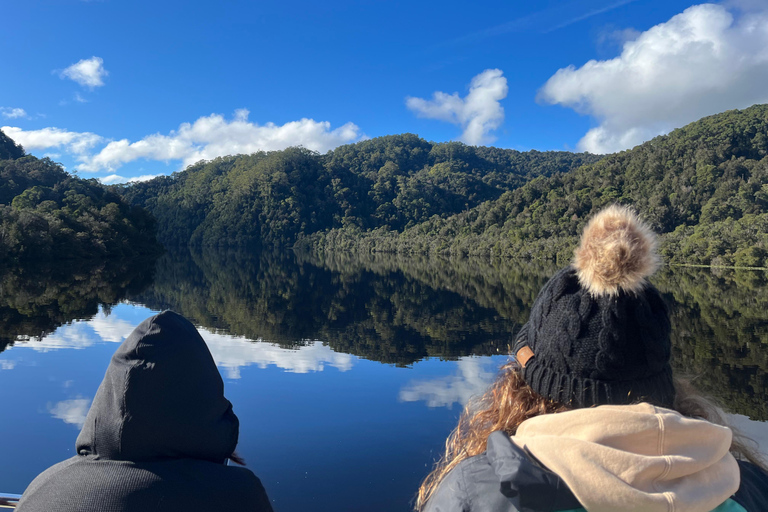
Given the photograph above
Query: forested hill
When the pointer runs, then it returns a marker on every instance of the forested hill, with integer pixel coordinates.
(390, 183)
(703, 186)
(46, 213)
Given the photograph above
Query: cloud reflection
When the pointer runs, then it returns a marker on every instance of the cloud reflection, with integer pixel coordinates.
(72, 412)
(230, 352)
(757, 431)
(473, 376)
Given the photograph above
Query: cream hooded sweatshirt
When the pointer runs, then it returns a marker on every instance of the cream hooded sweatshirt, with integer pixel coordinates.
(635, 458)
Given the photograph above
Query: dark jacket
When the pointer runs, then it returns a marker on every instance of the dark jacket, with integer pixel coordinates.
(507, 479)
(156, 437)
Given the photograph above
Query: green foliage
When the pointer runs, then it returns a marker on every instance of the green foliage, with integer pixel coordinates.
(398, 309)
(704, 187)
(47, 214)
(9, 150)
(36, 299)
(279, 197)
(384, 316)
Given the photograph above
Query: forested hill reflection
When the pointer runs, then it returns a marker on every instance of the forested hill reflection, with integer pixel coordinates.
(394, 309)
(720, 333)
(390, 317)
(720, 318)
(36, 299)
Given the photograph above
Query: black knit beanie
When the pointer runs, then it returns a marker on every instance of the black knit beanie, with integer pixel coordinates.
(599, 331)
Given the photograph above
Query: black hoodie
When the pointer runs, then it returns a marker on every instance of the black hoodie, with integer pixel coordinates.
(157, 435)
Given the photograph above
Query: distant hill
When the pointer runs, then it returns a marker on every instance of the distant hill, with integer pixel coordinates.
(703, 186)
(9, 150)
(45, 213)
(391, 183)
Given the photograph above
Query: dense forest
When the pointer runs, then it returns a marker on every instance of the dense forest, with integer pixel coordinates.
(389, 183)
(269, 296)
(45, 213)
(401, 310)
(704, 187)
(36, 299)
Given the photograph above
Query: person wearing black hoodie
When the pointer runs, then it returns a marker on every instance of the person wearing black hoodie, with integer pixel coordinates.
(157, 437)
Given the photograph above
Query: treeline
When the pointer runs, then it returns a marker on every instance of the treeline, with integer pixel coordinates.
(269, 296)
(703, 186)
(45, 213)
(391, 183)
(719, 334)
(400, 310)
(36, 299)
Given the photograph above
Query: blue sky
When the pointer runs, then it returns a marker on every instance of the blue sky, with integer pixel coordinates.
(117, 90)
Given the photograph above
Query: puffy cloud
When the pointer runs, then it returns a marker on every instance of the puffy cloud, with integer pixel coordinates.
(474, 375)
(13, 113)
(755, 430)
(702, 61)
(77, 143)
(75, 335)
(205, 139)
(213, 136)
(86, 72)
(478, 113)
(116, 178)
(72, 411)
(229, 352)
(234, 352)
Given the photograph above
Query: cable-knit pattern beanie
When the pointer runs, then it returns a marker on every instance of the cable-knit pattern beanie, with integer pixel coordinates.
(598, 331)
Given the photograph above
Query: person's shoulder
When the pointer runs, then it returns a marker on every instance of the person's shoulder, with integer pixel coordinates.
(472, 485)
(753, 490)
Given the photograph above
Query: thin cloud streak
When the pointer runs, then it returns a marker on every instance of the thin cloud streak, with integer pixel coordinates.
(589, 15)
(533, 20)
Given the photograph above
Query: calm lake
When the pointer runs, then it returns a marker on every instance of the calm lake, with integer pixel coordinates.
(347, 373)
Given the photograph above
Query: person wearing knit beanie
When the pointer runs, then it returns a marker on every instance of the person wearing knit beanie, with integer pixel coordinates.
(599, 331)
(587, 415)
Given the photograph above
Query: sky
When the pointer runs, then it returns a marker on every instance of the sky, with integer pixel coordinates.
(123, 91)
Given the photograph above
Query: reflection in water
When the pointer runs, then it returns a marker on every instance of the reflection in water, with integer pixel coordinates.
(392, 318)
(72, 411)
(36, 300)
(472, 377)
(233, 353)
(229, 352)
(320, 324)
(388, 309)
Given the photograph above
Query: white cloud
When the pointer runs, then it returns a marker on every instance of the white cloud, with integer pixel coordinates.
(234, 352)
(700, 62)
(13, 113)
(473, 377)
(86, 72)
(76, 143)
(478, 113)
(110, 328)
(205, 139)
(75, 335)
(755, 430)
(229, 352)
(72, 411)
(5, 364)
(116, 178)
(213, 136)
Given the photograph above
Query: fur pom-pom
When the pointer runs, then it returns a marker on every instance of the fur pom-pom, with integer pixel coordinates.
(617, 252)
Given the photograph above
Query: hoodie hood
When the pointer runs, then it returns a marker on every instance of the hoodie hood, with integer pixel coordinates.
(635, 458)
(162, 397)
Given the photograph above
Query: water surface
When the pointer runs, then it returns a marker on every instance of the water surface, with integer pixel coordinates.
(347, 373)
